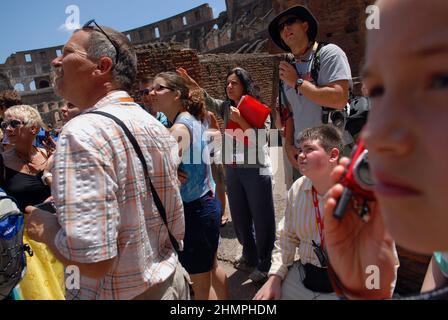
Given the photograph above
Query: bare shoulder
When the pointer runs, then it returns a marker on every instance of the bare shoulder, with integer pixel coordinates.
(178, 127)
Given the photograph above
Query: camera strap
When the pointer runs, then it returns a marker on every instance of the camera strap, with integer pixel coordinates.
(319, 221)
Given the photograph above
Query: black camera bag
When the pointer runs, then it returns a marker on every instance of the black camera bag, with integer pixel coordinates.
(317, 279)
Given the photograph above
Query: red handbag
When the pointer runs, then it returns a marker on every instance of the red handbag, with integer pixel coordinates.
(253, 111)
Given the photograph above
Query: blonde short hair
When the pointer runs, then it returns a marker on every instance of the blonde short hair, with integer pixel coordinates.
(28, 114)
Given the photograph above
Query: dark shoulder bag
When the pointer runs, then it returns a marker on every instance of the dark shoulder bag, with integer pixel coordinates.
(317, 279)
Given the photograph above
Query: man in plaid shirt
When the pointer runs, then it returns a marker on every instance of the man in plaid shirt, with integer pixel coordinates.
(107, 223)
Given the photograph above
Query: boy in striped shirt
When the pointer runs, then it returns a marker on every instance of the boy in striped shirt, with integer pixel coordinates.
(302, 227)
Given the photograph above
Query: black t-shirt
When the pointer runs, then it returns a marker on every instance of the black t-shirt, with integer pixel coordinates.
(26, 189)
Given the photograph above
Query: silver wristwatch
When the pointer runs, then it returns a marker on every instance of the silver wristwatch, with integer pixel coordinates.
(298, 84)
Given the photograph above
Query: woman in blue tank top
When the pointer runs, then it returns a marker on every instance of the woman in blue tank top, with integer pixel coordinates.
(248, 182)
(186, 110)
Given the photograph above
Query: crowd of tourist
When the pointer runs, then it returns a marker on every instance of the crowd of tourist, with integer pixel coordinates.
(139, 191)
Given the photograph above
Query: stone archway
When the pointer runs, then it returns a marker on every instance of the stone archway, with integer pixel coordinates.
(19, 87)
(43, 84)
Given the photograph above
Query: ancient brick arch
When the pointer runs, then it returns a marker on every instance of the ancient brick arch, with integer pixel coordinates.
(19, 87)
(43, 84)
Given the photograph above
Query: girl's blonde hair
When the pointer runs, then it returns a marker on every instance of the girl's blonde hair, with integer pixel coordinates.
(28, 114)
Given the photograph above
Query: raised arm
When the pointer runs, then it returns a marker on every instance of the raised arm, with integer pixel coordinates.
(214, 105)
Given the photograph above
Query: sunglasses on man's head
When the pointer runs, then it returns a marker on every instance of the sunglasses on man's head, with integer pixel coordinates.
(288, 22)
(12, 123)
(88, 25)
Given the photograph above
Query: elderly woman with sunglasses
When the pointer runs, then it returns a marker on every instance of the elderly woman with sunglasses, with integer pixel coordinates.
(22, 177)
(187, 112)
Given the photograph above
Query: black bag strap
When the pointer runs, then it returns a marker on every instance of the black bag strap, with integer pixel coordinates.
(315, 69)
(139, 152)
(2, 170)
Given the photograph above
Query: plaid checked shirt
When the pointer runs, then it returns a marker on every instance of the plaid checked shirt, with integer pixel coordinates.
(104, 207)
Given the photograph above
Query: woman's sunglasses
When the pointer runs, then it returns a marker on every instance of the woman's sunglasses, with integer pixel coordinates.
(160, 87)
(12, 123)
(156, 88)
(145, 92)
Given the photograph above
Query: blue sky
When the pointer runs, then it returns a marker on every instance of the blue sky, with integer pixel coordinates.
(31, 24)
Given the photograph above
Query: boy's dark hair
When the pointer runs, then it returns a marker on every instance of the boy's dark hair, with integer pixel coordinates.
(328, 135)
(9, 98)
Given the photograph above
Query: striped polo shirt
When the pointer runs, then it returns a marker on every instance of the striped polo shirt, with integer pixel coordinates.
(297, 229)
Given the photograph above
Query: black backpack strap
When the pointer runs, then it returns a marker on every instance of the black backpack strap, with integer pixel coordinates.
(315, 69)
(2, 170)
(139, 152)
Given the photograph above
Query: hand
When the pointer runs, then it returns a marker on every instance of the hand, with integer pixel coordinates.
(39, 223)
(271, 290)
(293, 154)
(353, 245)
(288, 73)
(235, 115)
(191, 83)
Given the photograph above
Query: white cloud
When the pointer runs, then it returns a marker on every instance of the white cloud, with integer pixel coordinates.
(69, 27)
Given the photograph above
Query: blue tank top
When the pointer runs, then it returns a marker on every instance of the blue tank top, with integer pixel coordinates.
(442, 261)
(200, 180)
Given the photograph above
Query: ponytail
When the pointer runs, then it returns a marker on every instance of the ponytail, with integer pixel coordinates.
(195, 104)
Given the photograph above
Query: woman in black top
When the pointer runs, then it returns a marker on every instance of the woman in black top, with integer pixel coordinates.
(22, 167)
(23, 176)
